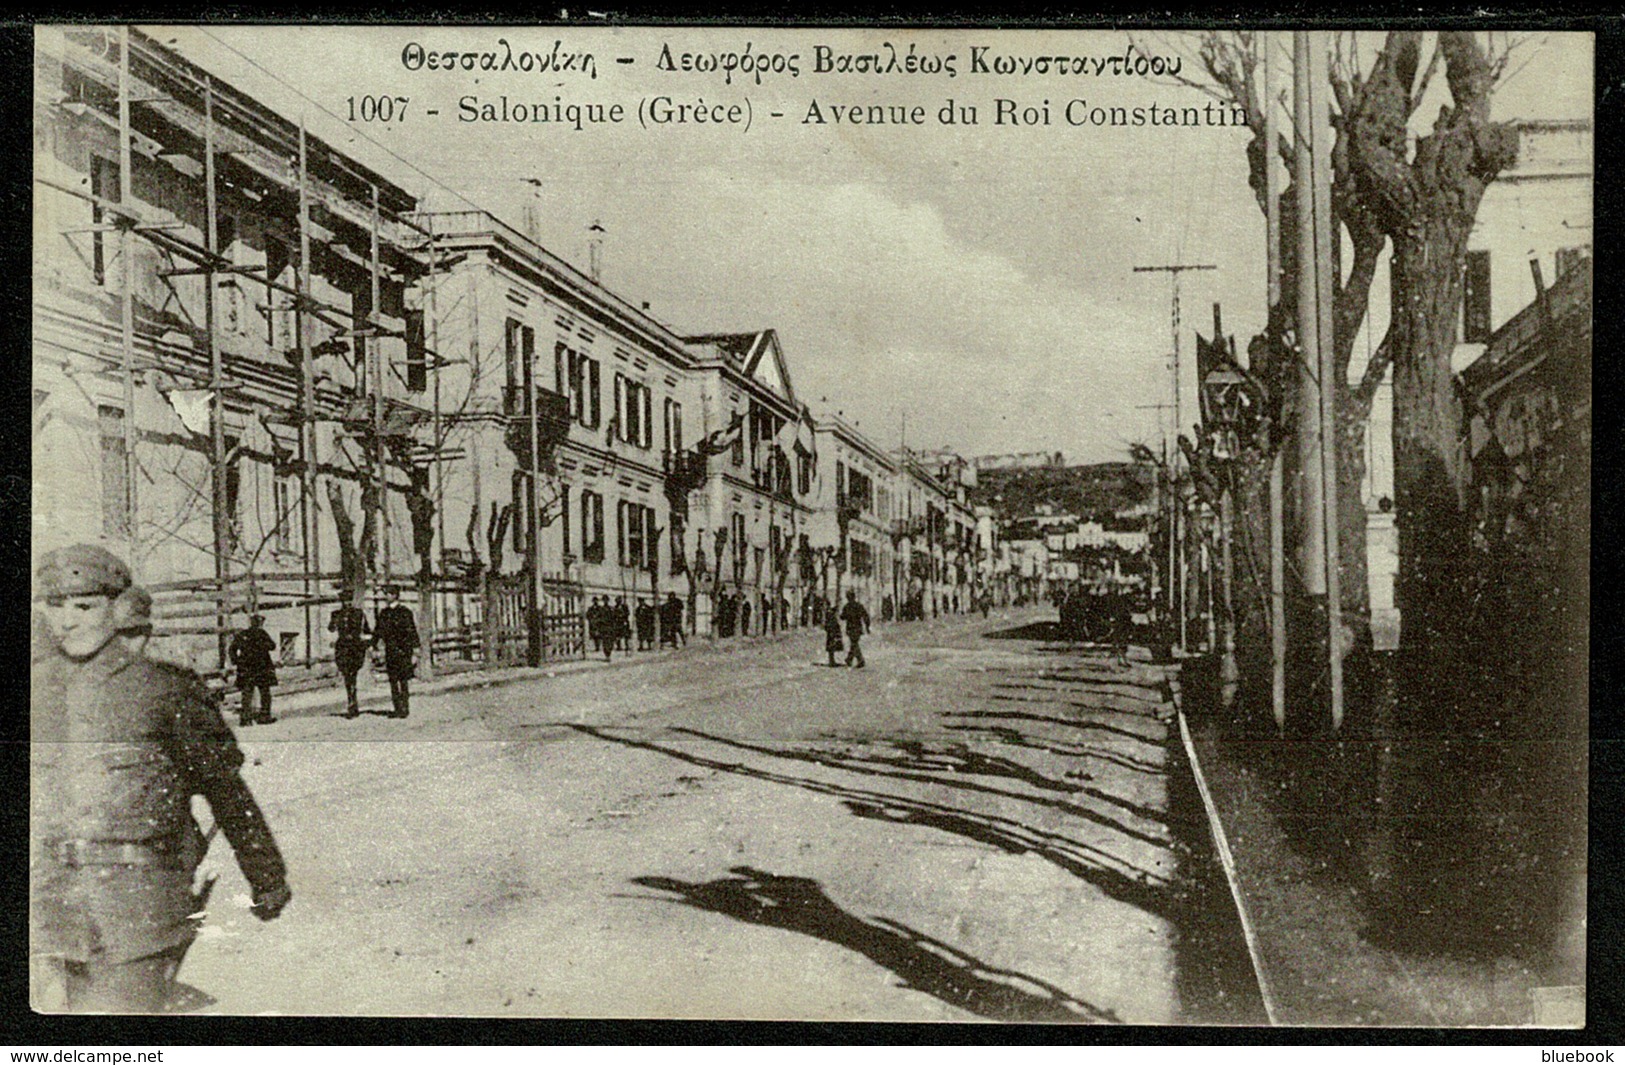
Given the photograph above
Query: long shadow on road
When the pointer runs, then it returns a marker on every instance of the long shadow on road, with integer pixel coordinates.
(919, 769)
(799, 904)
(1113, 876)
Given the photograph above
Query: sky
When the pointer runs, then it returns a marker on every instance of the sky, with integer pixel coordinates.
(963, 286)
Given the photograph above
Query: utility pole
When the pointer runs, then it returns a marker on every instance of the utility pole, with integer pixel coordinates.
(1272, 226)
(1320, 130)
(1175, 270)
(1311, 513)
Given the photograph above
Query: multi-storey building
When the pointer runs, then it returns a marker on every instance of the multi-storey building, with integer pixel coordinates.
(853, 544)
(527, 338)
(227, 378)
(935, 532)
(752, 513)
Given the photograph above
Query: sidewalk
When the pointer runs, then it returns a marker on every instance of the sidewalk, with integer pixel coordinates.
(1308, 924)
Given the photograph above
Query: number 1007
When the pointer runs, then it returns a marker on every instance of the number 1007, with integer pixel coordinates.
(377, 108)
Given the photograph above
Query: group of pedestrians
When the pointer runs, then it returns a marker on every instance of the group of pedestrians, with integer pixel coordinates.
(250, 652)
(854, 618)
(610, 625)
(396, 632)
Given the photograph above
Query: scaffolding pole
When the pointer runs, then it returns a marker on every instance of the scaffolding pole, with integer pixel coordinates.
(127, 305)
(436, 565)
(375, 349)
(217, 422)
(310, 505)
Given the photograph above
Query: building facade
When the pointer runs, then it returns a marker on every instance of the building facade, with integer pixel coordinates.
(227, 376)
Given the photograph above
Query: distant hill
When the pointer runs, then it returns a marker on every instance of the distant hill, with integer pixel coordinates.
(1092, 491)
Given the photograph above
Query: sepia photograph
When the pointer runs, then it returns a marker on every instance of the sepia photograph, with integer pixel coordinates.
(811, 523)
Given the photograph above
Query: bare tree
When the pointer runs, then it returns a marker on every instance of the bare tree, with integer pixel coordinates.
(1422, 197)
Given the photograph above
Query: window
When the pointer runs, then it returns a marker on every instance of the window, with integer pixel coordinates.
(863, 558)
(775, 542)
(674, 427)
(517, 484)
(634, 414)
(592, 526)
(637, 535)
(564, 520)
(284, 491)
(1475, 298)
(577, 378)
(417, 356)
(104, 185)
(737, 455)
(234, 491)
(115, 482)
(276, 261)
(510, 353)
(736, 533)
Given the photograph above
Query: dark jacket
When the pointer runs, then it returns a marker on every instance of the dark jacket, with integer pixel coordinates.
(832, 633)
(399, 635)
(350, 649)
(856, 619)
(251, 653)
(119, 745)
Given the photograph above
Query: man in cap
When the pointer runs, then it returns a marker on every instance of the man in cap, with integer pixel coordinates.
(350, 650)
(250, 652)
(398, 632)
(119, 745)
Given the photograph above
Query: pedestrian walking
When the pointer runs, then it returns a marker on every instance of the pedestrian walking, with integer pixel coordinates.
(350, 624)
(671, 620)
(857, 626)
(398, 633)
(832, 636)
(119, 744)
(250, 652)
(744, 616)
(646, 618)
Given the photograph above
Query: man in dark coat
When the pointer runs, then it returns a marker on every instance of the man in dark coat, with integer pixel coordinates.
(398, 633)
(671, 620)
(250, 652)
(744, 616)
(622, 624)
(350, 650)
(118, 746)
(646, 625)
(832, 636)
(857, 626)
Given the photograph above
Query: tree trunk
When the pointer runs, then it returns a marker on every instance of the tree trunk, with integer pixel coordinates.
(1429, 462)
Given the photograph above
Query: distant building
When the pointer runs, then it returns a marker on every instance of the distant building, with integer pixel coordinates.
(1020, 460)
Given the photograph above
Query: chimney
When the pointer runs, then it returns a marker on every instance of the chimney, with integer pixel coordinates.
(595, 250)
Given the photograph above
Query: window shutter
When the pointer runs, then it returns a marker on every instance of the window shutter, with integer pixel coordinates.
(592, 392)
(648, 417)
(620, 529)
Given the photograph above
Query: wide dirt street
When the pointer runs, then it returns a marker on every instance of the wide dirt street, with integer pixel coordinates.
(982, 824)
